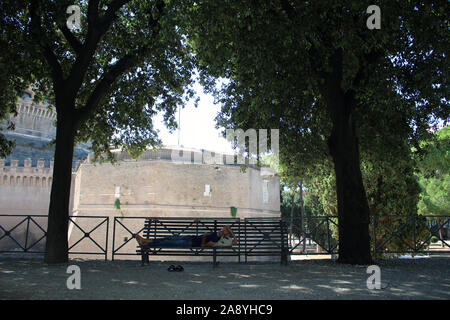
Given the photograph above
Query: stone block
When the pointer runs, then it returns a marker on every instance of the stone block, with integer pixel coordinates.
(27, 163)
(40, 163)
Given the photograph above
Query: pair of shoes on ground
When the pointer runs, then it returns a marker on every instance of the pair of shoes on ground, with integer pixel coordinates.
(175, 268)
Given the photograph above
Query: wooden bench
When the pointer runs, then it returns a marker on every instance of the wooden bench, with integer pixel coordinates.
(256, 237)
(157, 227)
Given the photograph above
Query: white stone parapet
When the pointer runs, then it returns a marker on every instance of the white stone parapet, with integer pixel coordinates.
(27, 176)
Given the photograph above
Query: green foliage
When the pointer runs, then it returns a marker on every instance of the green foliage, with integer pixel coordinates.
(434, 174)
(285, 61)
(15, 70)
(128, 62)
(392, 192)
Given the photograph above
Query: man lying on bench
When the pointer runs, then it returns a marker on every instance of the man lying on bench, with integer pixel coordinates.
(224, 238)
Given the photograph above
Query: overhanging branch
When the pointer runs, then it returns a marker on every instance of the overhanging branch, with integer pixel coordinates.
(40, 37)
(71, 39)
(110, 76)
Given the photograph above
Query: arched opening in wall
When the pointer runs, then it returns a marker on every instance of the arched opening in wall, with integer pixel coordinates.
(25, 181)
(49, 182)
(44, 181)
(5, 179)
(18, 181)
(31, 181)
(37, 181)
(11, 180)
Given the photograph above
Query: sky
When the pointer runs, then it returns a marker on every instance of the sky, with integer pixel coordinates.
(197, 128)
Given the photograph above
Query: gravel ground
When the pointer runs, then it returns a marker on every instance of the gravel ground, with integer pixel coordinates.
(31, 279)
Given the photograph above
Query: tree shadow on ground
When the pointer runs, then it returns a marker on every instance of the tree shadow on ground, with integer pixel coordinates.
(320, 279)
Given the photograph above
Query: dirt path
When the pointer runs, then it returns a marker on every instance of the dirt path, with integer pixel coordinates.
(22, 278)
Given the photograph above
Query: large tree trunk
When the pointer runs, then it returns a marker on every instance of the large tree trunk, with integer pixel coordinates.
(56, 250)
(353, 207)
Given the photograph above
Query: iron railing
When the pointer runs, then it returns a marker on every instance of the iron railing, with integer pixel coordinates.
(390, 234)
(27, 234)
(315, 235)
(412, 234)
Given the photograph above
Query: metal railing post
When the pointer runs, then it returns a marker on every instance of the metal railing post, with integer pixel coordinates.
(328, 234)
(414, 233)
(107, 239)
(26, 232)
(114, 239)
(239, 240)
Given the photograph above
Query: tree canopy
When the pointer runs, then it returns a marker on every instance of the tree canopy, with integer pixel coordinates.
(127, 61)
(434, 174)
(333, 87)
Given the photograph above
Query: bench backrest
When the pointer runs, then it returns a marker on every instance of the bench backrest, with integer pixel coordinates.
(256, 236)
(160, 227)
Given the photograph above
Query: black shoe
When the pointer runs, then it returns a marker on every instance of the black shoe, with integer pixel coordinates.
(172, 268)
(179, 268)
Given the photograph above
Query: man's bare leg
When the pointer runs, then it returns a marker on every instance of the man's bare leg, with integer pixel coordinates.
(142, 241)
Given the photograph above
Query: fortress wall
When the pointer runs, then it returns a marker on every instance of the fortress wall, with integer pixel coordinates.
(26, 191)
(166, 183)
(23, 191)
(264, 191)
(158, 188)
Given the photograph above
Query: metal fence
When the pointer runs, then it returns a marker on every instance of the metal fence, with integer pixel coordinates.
(413, 234)
(88, 235)
(314, 235)
(390, 235)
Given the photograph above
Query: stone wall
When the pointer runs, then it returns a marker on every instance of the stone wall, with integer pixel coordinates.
(25, 191)
(164, 188)
(170, 188)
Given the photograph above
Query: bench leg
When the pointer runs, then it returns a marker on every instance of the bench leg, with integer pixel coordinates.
(214, 258)
(144, 258)
(284, 258)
